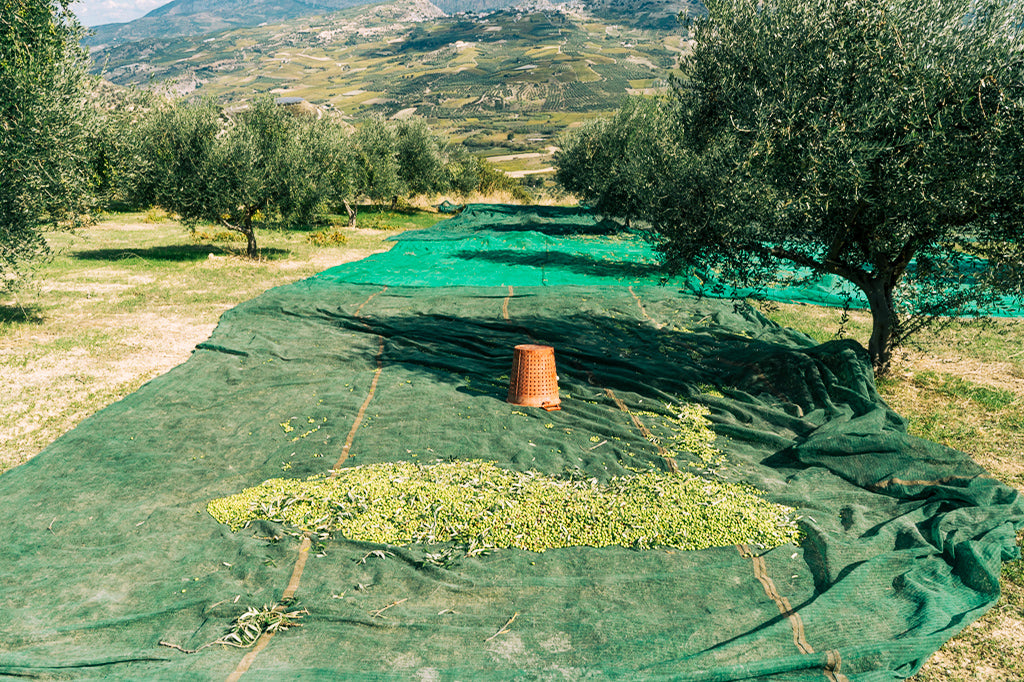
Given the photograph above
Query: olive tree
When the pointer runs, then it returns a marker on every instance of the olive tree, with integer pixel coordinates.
(421, 162)
(261, 164)
(625, 166)
(878, 140)
(43, 173)
(375, 161)
(112, 144)
(462, 171)
(391, 158)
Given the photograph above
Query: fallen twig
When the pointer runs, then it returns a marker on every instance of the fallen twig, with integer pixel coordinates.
(504, 628)
(250, 626)
(189, 651)
(379, 612)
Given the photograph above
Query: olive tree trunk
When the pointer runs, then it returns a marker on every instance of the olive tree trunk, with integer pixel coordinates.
(884, 323)
(351, 213)
(246, 228)
(250, 242)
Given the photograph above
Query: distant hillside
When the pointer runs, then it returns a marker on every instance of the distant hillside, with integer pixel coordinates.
(652, 14)
(184, 18)
(406, 56)
(198, 17)
(456, 6)
(504, 83)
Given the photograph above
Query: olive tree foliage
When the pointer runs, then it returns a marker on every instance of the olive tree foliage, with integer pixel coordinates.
(421, 158)
(493, 180)
(112, 144)
(463, 171)
(171, 162)
(626, 166)
(395, 158)
(260, 165)
(43, 174)
(265, 165)
(877, 140)
(375, 161)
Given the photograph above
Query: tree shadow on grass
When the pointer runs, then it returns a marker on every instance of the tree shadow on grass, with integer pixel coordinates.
(18, 314)
(576, 263)
(176, 253)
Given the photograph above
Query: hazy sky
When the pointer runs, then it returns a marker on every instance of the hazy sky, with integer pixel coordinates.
(96, 12)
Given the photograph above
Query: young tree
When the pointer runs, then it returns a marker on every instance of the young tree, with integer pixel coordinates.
(171, 160)
(324, 156)
(625, 166)
(113, 144)
(880, 141)
(462, 171)
(492, 180)
(43, 174)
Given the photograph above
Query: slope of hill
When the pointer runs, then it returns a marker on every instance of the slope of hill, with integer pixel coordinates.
(198, 17)
(505, 83)
(406, 55)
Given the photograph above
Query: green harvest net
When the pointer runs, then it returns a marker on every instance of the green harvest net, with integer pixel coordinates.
(110, 550)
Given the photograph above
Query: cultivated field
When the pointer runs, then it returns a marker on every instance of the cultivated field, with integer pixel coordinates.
(507, 82)
(128, 299)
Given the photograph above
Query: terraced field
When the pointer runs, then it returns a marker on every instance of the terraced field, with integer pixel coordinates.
(511, 66)
(503, 83)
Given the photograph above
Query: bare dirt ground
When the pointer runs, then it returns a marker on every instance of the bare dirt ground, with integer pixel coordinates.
(147, 345)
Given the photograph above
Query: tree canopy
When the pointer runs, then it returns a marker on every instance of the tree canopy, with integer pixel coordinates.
(263, 164)
(628, 165)
(375, 160)
(260, 165)
(43, 176)
(880, 141)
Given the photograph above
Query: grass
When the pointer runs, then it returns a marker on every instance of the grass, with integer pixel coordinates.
(962, 386)
(127, 299)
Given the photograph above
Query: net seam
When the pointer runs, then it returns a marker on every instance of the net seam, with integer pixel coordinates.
(304, 546)
(643, 310)
(832, 658)
(504, 304)
(665, 455)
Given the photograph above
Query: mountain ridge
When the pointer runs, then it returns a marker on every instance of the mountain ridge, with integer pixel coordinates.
(180, 18)
(198, 17)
